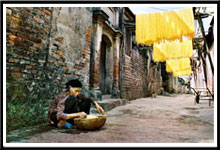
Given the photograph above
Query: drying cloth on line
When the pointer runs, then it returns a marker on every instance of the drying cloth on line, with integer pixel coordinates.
(169, 25)
(179, 67)
(172, 50)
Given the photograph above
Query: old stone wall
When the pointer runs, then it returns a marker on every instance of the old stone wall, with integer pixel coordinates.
(27, 40)
(28, 32)
(134, 82)
(45, 46)
(70, 41)
(174, 86)
(48, 44)
(154, 80)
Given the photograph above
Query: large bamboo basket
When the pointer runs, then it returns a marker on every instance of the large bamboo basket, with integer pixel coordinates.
(90, 123)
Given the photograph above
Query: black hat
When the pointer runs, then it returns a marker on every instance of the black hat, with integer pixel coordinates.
(75, 83)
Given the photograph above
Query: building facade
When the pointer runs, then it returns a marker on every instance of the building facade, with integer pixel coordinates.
(203, 60)
(47, 46)
(104, 73)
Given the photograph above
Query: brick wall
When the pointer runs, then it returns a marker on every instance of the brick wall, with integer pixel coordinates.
(154, 80)
(140, 77)
(27, 40)
(134, 82)
(45, 46)
(27, 32)
(70, 41)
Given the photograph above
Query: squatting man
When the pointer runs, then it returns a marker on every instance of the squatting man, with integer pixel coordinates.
(69, 105)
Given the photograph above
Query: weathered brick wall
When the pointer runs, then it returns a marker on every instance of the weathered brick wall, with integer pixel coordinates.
(45, 46)
(29, 81)
(154, 80)
(48, 44)
(28, 31)
(140, 78)
(134, 82)
(70, 41)
(27, 40)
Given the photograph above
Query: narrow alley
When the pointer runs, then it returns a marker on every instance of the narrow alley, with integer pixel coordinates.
(149, 70)
(164, 119)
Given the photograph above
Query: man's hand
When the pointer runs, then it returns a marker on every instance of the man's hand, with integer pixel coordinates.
(82, 115)
(76, 115)
(99, 109)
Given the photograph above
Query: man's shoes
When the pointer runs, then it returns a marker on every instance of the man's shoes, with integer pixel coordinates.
(65, 126)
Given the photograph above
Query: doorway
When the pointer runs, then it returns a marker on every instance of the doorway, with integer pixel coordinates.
(103, 68)
(106, 66)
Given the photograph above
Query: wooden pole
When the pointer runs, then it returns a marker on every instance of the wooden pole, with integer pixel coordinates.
(205, 42)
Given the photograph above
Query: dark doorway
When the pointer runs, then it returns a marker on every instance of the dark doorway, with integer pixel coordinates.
(103, 68)
(106, 66)
(165, 77)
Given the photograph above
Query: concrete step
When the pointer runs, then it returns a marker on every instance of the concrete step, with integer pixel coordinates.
(108, 104)
(205, 96)
(205, 99)
(106, 97)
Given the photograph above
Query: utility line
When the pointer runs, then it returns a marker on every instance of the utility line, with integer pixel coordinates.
(158, 8)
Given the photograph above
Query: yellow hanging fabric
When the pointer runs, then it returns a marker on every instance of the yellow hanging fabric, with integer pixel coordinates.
(169, 25)
(168, 66)
(165, 31)
(158, 33)
(159, 52)
(172, 65)
(179, 67)
(187, 20)
(187, 48)
(172, 50)
(152, 29)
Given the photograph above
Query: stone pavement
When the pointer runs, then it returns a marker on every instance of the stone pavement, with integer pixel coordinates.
(163, 119)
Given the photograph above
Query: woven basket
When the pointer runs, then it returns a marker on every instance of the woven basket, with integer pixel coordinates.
(90, 123)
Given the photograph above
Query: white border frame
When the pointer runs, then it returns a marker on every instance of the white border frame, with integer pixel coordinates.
(109, 144)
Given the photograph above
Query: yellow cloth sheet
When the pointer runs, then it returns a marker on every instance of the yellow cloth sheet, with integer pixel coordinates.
(159, 52)
(172, 50)
(169, 25)
(179, 67)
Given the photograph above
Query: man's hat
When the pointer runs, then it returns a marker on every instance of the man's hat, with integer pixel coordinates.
(75, 83)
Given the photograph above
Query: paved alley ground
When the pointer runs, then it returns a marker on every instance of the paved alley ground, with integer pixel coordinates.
(164, 119)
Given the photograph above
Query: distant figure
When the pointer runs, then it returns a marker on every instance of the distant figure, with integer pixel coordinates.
(153, 95)
(69, 105)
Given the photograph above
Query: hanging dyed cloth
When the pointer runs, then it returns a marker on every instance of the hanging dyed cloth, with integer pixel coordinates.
(179, 67)
(179, 49)
(170, 25)
(172, 50)
(182, 73)
(172, 65)
(187, 48)
(184, 67)
(187, 21)
(159, 52)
